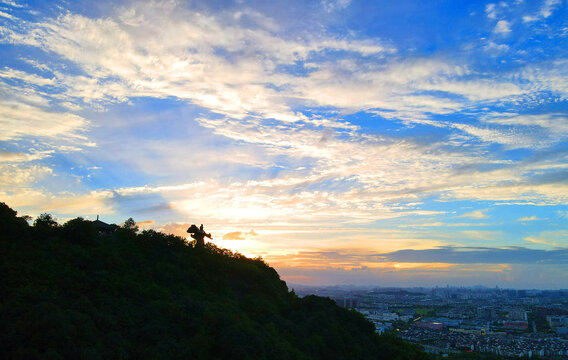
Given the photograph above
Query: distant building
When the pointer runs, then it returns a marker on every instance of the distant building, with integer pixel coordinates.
(104, 228)
(389, 316)
(557, 321)
(431, 325)
(350, 302)
(486, 313)
(516, 325)
(518, 314)
(449, 322)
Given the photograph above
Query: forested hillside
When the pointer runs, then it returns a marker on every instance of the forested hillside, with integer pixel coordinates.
(68, 292)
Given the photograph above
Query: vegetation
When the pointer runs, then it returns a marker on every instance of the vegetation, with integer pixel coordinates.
(425, 312)
(69, 292)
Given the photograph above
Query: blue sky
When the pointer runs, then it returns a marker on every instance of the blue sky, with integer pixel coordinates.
(347, 142)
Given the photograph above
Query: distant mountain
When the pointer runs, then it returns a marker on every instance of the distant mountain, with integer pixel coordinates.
(70, 292)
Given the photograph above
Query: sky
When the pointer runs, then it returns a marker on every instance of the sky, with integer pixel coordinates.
(383, 143)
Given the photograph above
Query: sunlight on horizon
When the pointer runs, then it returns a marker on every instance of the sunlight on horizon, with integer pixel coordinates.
(329, 138)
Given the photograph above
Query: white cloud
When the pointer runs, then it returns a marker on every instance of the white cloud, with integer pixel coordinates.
(21, 120)
(8, 73)
(443, 225)
(13, 176)
(476, 214)
(269, 200)
(477, 89)
(545, 11)
(333, 5)
(512, 138)
(548, 7)
(491, 11)
(13, 4)
(24, 186)
(34, 202)
(508, 192)
(19, 157)
(555, 122)
(551, 76)
(495, 48)
(6, 15)
(528, 218)
(143, 53)
(531, 131)
(502, 27)
(552, 238)
(480, 235)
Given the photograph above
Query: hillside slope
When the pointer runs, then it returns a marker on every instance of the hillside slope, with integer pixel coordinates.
(68, 292)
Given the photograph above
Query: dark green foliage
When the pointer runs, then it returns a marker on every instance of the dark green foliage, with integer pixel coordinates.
(80, 230)
(45, 221)
(10, 224)
(130, 224)
(69, 293)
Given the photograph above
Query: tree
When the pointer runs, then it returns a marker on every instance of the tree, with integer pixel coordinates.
(80, 230)
(130, 224)
(45, 220)
(9, 221)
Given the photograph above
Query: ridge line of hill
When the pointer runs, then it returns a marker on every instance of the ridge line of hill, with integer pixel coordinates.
(70, 292)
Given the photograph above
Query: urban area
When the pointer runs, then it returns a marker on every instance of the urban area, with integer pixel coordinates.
(451, 320)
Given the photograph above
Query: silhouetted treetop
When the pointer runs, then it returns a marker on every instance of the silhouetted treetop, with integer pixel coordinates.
(130, 224)
(45, 221)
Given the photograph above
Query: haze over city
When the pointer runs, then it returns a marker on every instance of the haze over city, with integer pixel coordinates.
(382, 143)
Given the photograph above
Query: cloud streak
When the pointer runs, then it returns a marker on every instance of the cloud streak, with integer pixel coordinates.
(479, 255)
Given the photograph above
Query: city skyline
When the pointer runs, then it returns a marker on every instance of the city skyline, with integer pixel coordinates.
(346, 142)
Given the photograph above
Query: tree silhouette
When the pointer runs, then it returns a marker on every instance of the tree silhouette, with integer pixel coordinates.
(45, 220)
(130, 224)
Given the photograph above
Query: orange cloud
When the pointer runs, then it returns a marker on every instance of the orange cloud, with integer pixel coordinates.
(179, 229)
(238, 235)
(145, 224)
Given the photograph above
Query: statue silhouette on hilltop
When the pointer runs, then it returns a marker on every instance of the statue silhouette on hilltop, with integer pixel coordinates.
(199, 235)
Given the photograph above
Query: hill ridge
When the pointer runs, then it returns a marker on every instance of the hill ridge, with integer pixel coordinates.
(69, 292)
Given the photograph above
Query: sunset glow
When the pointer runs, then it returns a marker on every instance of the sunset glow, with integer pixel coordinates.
(346, 142)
